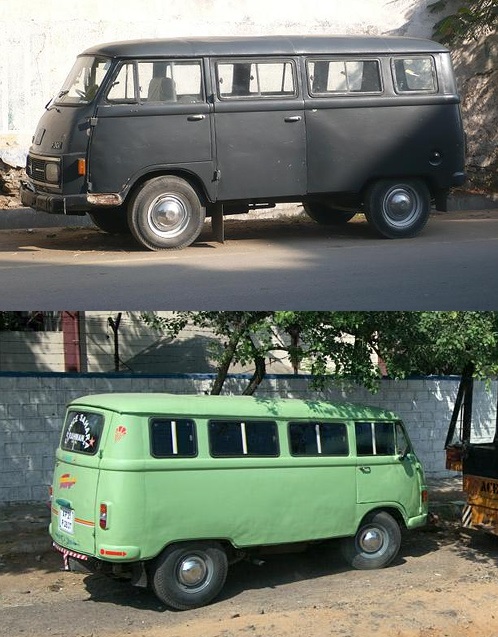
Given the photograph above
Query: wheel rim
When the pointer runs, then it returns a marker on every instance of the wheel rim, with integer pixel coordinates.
(401, 206)
(168, 216)
(194, 572)
(372, 540)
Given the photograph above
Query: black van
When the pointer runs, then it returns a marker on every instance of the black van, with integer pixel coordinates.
(152, 136)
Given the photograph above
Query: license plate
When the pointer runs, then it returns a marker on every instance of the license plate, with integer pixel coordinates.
(66, 520)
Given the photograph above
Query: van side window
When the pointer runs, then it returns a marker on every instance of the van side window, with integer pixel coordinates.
(170, 81)
(123, 87)
(343, 76)
(243, 438)
(414, 74)
(375, 439)
(172, 438)
(82, 431)
(318, 438)
(245, 78)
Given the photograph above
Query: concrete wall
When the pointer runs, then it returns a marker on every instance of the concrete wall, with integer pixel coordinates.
(41, 39)
(32, 409)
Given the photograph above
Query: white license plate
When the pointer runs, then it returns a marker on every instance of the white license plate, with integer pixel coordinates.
(66, 520)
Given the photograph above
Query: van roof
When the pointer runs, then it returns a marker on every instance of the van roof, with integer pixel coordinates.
(227, 406)
(265, 45)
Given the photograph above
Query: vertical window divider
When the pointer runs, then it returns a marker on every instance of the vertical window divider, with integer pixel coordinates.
(374, 444)
(174, 438)
(318, 439)
(244, 438)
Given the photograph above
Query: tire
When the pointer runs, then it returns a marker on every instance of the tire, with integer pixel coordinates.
(110, 220)
(398, 209)
(166, 214)
(189, 575)
(375, 544)
(327, 215)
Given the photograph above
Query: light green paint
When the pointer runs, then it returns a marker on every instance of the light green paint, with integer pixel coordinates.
(247, 501)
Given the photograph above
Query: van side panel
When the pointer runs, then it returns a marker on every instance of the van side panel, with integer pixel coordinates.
(392, 137)
(260, 147)
(390, 479)
(265, 502)
(130, 141)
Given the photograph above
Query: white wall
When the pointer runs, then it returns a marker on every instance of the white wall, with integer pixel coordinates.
(32, 409)
(40, 39)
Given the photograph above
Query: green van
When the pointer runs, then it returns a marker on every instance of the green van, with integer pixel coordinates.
(169, 489)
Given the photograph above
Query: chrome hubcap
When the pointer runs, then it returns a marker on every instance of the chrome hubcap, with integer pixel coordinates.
(168, 215)
(401, 206)
(192, 571)
(371, 540)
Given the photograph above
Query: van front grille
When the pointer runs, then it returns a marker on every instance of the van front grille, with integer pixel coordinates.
(36, 168)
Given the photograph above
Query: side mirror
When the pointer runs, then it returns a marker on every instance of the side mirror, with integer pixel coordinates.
(404, 452)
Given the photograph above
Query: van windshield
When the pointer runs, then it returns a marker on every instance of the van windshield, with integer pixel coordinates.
(83, 81)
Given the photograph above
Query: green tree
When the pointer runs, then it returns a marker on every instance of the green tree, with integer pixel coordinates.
(472, 19)
(350, 343)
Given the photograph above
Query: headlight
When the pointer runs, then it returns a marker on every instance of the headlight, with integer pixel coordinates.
(52, 172)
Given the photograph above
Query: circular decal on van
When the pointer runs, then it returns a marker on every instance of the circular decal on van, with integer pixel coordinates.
(79, 433)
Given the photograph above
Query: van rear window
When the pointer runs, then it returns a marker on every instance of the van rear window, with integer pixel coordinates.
(414, 75)
(172, 438)
(82, 431)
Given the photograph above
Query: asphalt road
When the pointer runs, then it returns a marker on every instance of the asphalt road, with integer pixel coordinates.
(276, 263)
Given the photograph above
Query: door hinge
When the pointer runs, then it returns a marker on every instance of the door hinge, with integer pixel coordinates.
(217, 175)
(93, 121)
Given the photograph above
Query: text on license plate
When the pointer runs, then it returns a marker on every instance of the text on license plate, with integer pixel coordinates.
(66, 520)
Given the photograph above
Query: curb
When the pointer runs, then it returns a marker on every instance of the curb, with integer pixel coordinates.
(26, 218)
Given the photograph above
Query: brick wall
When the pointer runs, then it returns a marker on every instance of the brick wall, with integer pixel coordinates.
(32, 408)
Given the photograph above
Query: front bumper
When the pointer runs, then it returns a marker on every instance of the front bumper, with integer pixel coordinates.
(53, 203)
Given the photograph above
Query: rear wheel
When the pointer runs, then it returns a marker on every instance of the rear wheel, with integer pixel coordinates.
(376, 542)
(166, 214)
(398, 208)
(189, 575)
(110, 220)
(327, 215)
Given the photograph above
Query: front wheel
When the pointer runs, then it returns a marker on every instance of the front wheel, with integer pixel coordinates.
(397, 209)
(375, 544)
(166, 214)
(189, 575)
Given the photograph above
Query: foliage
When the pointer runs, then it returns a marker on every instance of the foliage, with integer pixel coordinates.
(406, 343)
(440, 343)
(472, 19)
(25, 321)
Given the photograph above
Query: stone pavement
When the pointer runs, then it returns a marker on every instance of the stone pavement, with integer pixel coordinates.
(23, 527)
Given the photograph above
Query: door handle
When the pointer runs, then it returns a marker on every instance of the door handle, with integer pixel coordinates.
(293, 118)
(365, 469)
(196, 118)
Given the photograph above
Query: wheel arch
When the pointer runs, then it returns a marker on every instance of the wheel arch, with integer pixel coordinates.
(191, 178)
(394, 511)
(429, 182)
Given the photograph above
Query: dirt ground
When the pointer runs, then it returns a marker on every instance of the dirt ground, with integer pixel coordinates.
(443, 583)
